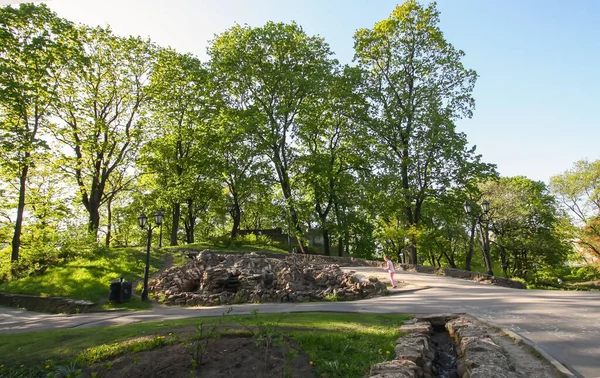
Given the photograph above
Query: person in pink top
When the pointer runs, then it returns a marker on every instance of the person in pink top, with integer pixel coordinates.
(390, 268)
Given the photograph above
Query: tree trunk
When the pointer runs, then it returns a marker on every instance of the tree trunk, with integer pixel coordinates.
(298, 228)
(109, 220)
(450, 259)
(413, 252)
(326, 242)
(236, 216)
(486, 248)
(340, 246)
(471, 246)
(284, 181)
(16, 241)
(94, 218)
(175, 223)
(191, 222)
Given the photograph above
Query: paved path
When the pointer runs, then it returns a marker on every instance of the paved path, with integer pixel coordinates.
(564, 324)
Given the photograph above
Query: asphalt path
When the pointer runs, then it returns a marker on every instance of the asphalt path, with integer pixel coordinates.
(563, 324)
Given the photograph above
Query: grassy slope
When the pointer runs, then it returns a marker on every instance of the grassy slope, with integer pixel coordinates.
(330, 339)
(88, 277)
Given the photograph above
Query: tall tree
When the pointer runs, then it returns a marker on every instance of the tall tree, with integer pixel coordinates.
(329, 155)
(524, 219)
(418, 87)
(578, 190)
(179, 154)
(269, 73)
(102, 104)
(34, 45)
(243, 168)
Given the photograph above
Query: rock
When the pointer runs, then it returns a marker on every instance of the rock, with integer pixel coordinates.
(477, 354)
(218, 279)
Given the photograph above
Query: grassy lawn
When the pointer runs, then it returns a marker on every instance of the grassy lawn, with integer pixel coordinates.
(339, 344)
(89, 276)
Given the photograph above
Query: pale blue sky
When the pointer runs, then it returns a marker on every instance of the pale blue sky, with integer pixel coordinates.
(538, 92)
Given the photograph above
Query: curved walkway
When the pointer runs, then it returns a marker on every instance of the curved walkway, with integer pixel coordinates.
(564, 324)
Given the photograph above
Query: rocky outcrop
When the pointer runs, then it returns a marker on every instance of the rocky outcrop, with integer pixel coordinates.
(214, 279)
(353, 261)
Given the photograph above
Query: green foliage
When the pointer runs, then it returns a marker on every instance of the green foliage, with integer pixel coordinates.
(271, 132)
(347, 354)
(87, 275)
(97, 148)
(419, 153)
(578, 191)
(525, 226)
(40, 254)
(341, 338)
(204, 336)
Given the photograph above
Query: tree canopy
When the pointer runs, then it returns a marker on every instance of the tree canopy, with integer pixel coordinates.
(270, 133)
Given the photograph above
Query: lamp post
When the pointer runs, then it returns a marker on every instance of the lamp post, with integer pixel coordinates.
(142, 221)
(484, 223)
(162, 213)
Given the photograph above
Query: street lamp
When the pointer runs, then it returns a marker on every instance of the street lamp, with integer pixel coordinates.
(162, 213)
(484, 223)
(142, 221)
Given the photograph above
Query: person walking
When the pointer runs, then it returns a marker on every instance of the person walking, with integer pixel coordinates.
(390, 268)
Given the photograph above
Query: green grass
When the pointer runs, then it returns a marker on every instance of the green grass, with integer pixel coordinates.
(338, 344)
(88, 277)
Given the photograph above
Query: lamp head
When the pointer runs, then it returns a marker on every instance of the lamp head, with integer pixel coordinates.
(142, 220)
(486, 206)
(467, 206)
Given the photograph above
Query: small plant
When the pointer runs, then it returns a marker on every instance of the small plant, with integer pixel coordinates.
(203, 337)
(68, 371)
(333, 297)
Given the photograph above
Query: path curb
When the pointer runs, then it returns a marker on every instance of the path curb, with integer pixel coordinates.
(559, 366)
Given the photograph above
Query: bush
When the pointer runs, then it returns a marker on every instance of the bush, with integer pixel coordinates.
(248, 239)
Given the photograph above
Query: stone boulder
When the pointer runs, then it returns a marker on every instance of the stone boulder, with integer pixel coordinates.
(214, 279)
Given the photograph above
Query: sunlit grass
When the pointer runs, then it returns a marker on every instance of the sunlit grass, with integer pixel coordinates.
(88, 277)
(339, 344)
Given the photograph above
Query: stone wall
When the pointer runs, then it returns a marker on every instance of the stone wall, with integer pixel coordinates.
(214, 278)
(477, 355)
(463, 274)
(55, 305)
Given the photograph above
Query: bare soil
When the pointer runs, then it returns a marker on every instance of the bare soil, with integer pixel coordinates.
(224, 357)
(240, 356)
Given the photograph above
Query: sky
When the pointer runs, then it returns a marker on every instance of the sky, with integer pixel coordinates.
(538, 91)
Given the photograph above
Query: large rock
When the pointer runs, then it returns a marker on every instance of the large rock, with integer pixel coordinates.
(213, 279)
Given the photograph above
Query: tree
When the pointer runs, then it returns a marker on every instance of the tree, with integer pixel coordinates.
(179, 155)
(34, 45)
(245, 171)
(417, 86)
(101, 107)
(578, 189)
(524, 224)
(330, 156)
(269, 73)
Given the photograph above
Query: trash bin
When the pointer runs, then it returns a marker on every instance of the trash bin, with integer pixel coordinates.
(126, 289)
(120, 291)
